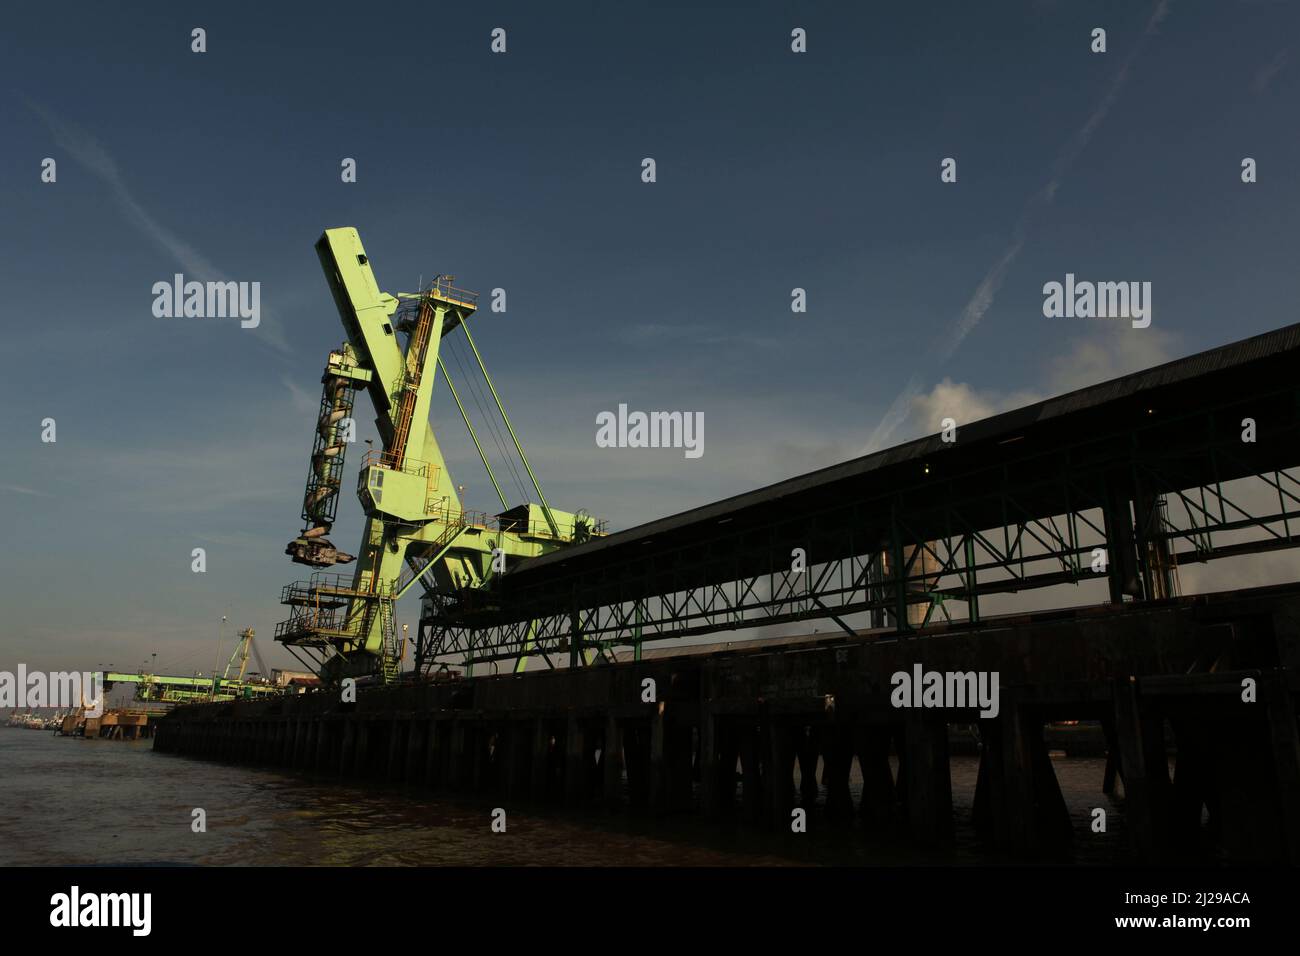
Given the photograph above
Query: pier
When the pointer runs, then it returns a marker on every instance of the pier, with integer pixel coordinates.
(725, 731)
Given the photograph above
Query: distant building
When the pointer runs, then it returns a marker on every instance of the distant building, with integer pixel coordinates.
(301, 681)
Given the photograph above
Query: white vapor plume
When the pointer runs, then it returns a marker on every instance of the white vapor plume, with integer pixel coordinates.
(981, 299)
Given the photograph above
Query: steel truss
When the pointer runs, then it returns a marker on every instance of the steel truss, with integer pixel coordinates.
(1034, 522)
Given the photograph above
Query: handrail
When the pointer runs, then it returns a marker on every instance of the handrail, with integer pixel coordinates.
(388, 461)
(481, 519)
(441, 288)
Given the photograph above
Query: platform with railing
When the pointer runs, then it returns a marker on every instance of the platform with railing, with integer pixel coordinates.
(321, 609)
(442, 290)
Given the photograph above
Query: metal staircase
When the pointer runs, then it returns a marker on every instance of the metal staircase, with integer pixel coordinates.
(393, 649)
(416, 351)
(415, 566)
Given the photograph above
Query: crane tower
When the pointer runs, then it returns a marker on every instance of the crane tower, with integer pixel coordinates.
(416, 529)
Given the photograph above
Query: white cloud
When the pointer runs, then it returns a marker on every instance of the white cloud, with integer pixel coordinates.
(1087, 361)
(963, 404)
(981, 300)
(1116, 352)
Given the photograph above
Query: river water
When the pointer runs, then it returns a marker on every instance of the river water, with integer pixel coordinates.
(72, 801)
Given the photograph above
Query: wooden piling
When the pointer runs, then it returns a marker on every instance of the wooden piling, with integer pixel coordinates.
(929, 784)
(612, 762)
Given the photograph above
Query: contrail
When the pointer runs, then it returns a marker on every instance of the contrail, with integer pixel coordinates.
(1271, 69)
(87, 151)
(23, 490)
(981, 299)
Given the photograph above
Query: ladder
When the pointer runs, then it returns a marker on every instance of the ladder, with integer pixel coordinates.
(416, 353)
(392, 651)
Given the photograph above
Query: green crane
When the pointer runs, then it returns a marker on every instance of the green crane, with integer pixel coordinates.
(176, 689)
(417, 530)
(243, 648)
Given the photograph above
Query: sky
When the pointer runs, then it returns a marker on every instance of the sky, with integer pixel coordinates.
(523, 170)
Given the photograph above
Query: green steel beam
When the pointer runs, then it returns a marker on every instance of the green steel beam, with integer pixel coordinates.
(521, 664)
(206, 684)
(431, 562)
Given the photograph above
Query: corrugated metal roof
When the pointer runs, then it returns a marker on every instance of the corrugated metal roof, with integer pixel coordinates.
(986, 432)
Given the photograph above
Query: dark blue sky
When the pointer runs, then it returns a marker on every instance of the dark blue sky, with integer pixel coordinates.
(522, 171)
